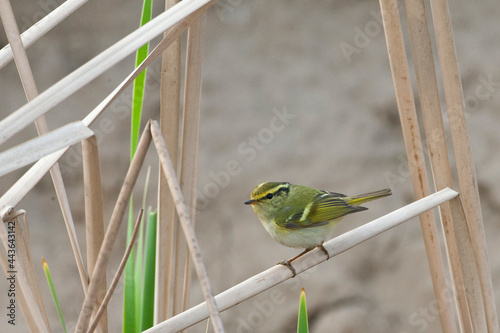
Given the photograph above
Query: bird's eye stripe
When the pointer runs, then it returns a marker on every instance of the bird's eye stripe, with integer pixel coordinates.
(275, 191)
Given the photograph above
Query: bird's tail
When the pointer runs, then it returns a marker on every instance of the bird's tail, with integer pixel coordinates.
(359, 199)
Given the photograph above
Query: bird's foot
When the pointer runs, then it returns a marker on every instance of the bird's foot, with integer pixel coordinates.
(324, 250)
(289, 265)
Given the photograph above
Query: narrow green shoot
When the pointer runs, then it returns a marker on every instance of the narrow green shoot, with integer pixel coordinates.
(53, 291)
(302, 325)
(139, 83)
(130, 324)
(148, 286)
(139, 262)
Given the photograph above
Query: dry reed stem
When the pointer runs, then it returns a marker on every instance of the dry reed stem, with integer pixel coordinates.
(94, 215)
(184, 217)
(35, 173)
(33, 300)
(14, 38)
(469, 268)
(113, 228)
(116, 278)
(31, 91)
(16, 192)
(25, 308)
(34, 149)
(41, 27)
(170, 94)
(434, 130)
(465, 165)
(24, 184)
(172, 35)
(58, 92)
(416, 160)
(189, 155)
(279, 273)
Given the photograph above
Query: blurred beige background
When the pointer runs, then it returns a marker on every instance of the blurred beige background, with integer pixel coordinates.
(284, 99)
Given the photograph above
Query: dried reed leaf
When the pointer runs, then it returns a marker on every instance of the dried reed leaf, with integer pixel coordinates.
(26, 183)
(172, 35)
(33, 150)
(19, 190)
(51, 97)
(41, 27)
(279, 273)
(170, 98)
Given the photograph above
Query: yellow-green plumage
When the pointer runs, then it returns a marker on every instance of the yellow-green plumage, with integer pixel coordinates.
(303, 217)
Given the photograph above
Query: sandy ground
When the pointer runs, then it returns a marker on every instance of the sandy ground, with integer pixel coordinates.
(283, 99)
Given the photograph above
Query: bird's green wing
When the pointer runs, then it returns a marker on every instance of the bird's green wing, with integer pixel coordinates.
(324, 208)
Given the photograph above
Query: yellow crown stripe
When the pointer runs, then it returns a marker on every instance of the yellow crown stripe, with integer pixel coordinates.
(273, 190)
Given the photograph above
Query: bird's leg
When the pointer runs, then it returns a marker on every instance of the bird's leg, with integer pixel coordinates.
(288, 264)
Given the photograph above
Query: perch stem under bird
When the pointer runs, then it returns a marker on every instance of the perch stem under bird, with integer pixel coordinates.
(303, 217)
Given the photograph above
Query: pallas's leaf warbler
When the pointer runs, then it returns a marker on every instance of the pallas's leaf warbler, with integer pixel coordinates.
(303, 217)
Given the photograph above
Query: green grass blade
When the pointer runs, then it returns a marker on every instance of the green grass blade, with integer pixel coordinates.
(148, 290)
(302, 325)
(130, 324)
(53, 291)
(139, 261)
(139, 83)
(138, 274)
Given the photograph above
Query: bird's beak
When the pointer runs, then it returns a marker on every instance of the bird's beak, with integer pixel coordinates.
(251, 202)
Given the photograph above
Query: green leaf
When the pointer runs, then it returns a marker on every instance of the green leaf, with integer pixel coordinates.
(139, 262)
(139, 83)
(130, 308)
(53, 291)
(138, 274)
(129, 316)
(302, 325)
(148, 291)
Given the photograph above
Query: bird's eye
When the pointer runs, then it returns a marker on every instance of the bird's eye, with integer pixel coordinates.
(269, 196)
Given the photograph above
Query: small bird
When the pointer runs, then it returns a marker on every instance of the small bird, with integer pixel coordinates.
(303, 217)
